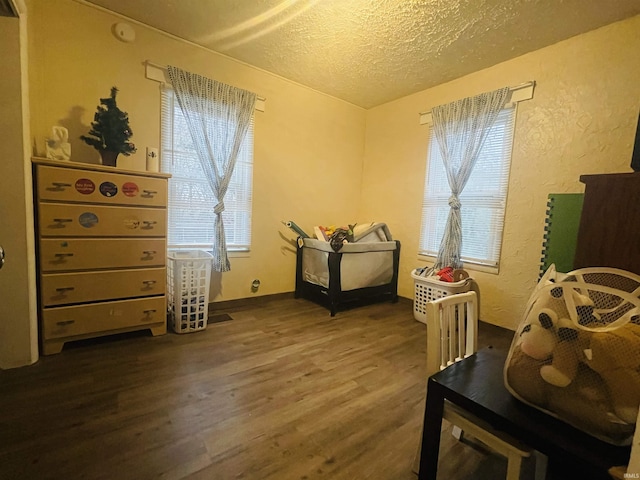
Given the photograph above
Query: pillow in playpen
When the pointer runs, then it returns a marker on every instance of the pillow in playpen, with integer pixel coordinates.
(576, 352)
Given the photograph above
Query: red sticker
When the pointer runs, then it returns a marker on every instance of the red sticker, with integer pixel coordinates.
(85, 186)
(130, 189)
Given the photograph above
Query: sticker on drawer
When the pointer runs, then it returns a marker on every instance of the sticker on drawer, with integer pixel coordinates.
(88, 219)
(130, 189)
(108, 189)
(85, 186)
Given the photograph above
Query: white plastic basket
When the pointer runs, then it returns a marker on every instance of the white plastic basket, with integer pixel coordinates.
(188, 279)
(428, 289)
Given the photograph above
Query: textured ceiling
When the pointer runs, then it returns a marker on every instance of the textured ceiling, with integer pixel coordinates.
(369, 52)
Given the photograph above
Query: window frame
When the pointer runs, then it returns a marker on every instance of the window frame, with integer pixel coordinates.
(245, 162)
(481, 264)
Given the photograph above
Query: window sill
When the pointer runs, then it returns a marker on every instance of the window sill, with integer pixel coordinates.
(239, 253)
(230, 253)
(469, 266)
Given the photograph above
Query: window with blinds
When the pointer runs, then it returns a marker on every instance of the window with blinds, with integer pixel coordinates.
(191, 199)
(483, 198)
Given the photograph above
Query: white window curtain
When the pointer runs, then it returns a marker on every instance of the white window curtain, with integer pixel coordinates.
(484, 197)
(218, 116)
(191, 224)
(460, 129)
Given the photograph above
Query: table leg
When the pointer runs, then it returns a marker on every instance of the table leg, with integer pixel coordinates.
(431, 432)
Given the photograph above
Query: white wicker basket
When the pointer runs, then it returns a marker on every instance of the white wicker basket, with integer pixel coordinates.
(188, 279)
(428, 289)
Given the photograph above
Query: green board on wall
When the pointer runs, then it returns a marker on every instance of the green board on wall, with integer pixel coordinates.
(561, 231)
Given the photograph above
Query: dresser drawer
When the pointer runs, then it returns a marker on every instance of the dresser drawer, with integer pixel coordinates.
(73, 185)
(95, 318)
(69, 254)
(69, 288)
(62, 220)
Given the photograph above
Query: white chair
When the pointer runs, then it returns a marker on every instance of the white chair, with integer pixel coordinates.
(452, 335)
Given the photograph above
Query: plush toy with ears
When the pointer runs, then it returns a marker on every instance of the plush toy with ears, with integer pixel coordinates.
(559, 339)
(615, 356)
(523, 377)
(576, 354)
(585, 403)
(566, 355)
(537, 339)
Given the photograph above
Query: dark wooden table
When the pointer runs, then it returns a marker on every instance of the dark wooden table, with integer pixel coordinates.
(476, 384)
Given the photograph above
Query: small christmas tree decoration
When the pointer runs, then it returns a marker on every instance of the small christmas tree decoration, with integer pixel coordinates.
(110, 131)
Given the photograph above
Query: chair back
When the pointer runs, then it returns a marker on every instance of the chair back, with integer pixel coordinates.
(452, 330)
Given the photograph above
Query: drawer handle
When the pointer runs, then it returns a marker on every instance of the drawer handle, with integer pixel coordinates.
(149, 312)
(60, 255)
(65, 289)
(60, 184)
(65, 323)
(148, 283)
(63, 220)
(149, 252)
(149, 193)
(149, 223)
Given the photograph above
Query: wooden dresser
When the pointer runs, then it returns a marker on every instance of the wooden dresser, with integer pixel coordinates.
(101, 251)
(609, 233)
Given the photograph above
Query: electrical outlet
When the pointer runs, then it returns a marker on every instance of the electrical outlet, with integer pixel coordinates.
(153, 160)
(152, 153)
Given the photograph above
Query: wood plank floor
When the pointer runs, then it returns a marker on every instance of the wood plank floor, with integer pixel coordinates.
(282, 391)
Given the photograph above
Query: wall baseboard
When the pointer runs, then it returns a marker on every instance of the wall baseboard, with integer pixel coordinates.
(229, 306)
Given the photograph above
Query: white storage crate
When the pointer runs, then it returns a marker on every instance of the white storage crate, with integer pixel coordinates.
(188, 279)
(428, 289)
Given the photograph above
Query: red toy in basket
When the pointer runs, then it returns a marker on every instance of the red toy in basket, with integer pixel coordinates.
(445, 274)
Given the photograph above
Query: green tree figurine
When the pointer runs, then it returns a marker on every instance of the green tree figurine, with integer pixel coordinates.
(110, 131)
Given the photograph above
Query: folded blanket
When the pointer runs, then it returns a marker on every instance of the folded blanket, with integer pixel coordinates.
(371, 232)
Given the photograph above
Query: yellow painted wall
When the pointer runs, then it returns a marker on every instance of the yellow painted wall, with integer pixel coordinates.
(581, 120)
(308, 146)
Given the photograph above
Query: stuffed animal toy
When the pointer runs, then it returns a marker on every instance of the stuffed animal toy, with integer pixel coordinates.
(537, 339)
(553, 337)
(565, 356)
(586, 404)
(576, 354)
(522, 376)
(615, 356)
